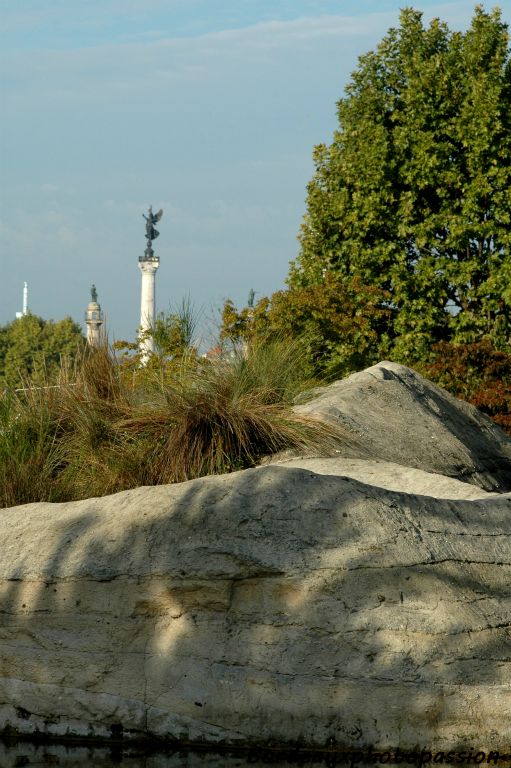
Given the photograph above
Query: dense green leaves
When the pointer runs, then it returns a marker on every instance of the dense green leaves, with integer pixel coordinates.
(413, 196)
(341, 325)
(31, 347)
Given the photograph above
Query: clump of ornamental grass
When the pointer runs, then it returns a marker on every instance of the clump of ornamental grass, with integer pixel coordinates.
(226, 414)
(94, 397)
(30, 451)
(103, 428)
(49, 430)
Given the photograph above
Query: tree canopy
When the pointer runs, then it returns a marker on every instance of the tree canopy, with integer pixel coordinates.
(31, 347)
(413, 197)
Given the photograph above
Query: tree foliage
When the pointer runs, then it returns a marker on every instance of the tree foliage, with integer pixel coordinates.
(31, 347)
(412, 198)
(478, 373)
(342, 326)
(174, 340)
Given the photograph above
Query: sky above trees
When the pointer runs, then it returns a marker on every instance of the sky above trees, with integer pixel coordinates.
(207, 109)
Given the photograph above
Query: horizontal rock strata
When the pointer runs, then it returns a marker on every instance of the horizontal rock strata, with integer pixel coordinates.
(274, 604)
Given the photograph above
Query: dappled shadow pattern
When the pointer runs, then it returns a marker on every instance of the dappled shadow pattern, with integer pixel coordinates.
(271, 605)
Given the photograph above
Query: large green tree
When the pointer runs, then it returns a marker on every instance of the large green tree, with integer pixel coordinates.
(413, 196)
(33, 348)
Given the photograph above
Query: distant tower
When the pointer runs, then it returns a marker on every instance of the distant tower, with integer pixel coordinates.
(25, 302)
(94, 319)
(148, 264)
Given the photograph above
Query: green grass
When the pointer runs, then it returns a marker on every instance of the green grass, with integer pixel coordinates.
(106, 426)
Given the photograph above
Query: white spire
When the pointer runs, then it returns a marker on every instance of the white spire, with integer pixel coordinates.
(25, 302)
(25, 298)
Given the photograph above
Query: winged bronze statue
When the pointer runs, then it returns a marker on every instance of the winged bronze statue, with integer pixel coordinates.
(150, 220)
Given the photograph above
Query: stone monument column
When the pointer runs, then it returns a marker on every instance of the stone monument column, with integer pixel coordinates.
(148, 267)
(94, 319)
(148, 264)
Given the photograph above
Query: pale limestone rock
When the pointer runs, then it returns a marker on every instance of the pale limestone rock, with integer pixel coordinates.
(271, 604)
(346, 601)
(394, 414)
(385, 474)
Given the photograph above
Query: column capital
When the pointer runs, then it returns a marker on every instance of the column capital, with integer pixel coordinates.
(148, 265)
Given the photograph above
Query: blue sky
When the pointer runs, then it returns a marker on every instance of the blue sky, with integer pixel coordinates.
(207, 108)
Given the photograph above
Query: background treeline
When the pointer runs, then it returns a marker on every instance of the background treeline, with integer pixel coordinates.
(406, 242)
(32, 349)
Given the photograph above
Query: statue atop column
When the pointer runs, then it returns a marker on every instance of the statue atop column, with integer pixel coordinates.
(151, 232)
(94, 320)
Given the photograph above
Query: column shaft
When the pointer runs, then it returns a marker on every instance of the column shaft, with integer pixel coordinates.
(148, 269)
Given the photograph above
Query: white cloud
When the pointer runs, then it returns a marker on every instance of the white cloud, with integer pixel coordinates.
(305, 29)
(93, 73)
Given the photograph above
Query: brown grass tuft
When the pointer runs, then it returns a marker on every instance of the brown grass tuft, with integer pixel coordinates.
(103, 428)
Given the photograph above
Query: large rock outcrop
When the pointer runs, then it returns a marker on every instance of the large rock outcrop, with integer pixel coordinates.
(394, 414)
(329, 601)
(272, 604)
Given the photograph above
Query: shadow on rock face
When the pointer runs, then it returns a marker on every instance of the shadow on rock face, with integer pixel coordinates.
(273, 605)
(398, 416)
(66, 756)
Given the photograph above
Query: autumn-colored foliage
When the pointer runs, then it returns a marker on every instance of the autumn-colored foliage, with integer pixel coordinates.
(478, 373)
